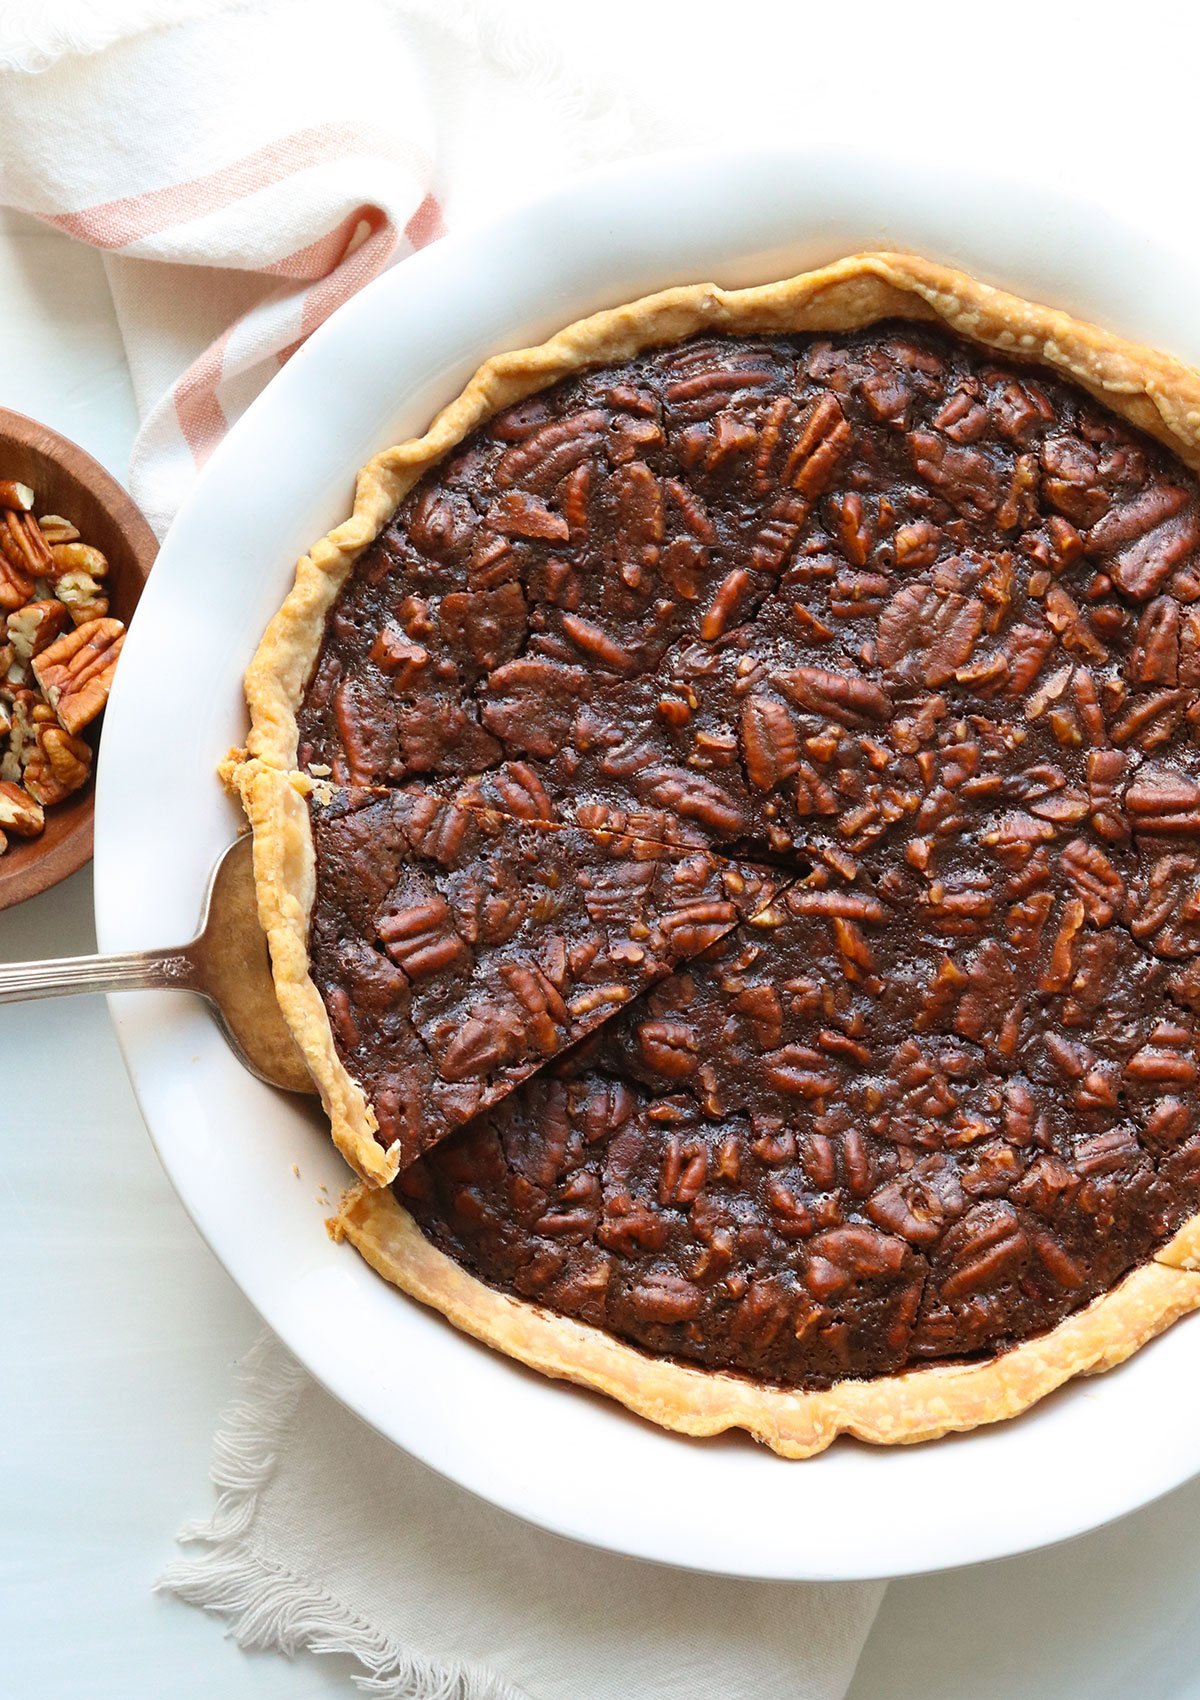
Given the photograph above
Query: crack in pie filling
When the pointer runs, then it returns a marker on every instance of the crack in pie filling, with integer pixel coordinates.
(727, 815)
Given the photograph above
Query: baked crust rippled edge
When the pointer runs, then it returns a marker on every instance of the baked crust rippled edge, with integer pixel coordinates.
(919, 1404)
(1150, 390)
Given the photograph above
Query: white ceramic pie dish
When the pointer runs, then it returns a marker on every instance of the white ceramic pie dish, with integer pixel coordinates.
(375, 374)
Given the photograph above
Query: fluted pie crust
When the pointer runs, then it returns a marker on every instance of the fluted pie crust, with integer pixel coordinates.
(920, 1404)
(1151, 391)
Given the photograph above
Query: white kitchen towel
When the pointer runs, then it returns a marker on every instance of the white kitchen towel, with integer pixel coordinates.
(244, 166)
(326, 1538)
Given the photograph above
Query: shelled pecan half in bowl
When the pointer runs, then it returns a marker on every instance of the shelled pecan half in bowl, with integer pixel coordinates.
(74, 555)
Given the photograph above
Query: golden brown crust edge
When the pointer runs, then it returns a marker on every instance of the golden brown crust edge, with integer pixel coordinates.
(285, 879)
(920, 1404)
(1150, 390)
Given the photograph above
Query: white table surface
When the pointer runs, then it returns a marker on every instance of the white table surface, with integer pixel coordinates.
(118, 1330)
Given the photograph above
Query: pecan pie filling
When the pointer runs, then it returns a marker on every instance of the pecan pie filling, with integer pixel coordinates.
(828, 704)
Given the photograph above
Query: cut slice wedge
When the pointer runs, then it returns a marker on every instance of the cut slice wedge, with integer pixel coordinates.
(456, 949)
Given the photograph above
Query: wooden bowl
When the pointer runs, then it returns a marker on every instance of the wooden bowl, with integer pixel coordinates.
(66, 480)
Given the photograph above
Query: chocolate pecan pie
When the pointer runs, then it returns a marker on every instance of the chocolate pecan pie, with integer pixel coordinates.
(727, 813)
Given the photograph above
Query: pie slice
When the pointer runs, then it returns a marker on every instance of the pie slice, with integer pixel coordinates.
(455, 950)
(878, 591)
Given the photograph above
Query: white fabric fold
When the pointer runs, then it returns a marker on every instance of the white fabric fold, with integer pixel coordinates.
(244, 168)
(326, 1538)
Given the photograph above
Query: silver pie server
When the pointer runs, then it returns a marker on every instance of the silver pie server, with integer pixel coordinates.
(226, 963)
